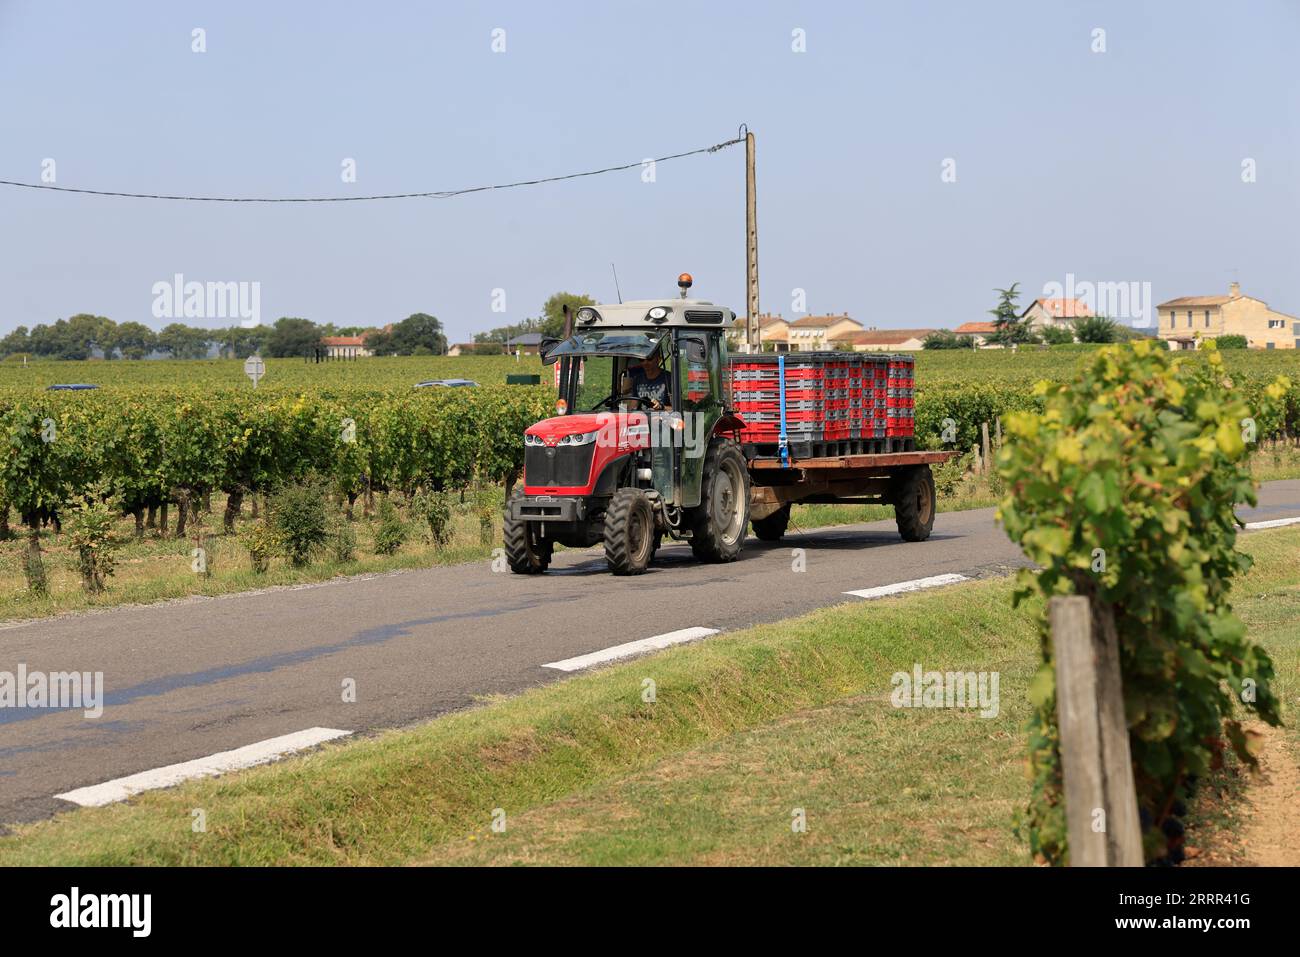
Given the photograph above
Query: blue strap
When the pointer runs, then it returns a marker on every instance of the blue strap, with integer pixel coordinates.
(783, 441)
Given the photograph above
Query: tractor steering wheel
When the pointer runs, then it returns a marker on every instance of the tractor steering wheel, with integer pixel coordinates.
(614, 399)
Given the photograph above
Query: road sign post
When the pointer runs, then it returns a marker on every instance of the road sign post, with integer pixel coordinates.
(254, 368)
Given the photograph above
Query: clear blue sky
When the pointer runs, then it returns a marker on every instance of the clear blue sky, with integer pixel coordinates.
(1115, 166)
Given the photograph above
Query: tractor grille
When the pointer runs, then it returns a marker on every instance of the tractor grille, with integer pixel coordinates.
(558, 466)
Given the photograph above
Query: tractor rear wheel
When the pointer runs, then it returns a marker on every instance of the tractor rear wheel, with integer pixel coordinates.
(718, 523)
(527, 552)
(913, 496)
(629, 532)
(771, 529)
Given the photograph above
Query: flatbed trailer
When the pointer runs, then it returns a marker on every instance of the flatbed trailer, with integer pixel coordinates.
(901, 479)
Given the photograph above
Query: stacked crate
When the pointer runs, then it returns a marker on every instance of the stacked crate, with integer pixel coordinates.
(829, 396)
(756, 395)
(901, 401)
(875, 396)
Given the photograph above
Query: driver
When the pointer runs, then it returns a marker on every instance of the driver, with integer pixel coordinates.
(649, 383)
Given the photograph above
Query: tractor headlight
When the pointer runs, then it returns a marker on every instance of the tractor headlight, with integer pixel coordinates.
(587, 314)
(658, 314)
(533, 439)
(579, 438)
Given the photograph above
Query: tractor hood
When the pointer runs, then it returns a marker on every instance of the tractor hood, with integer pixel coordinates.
(611, 429)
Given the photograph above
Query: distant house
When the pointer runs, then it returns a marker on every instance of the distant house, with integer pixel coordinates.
(771, 329)
(812, 333)
(885, 340)
(345, 347)
(529, 343)
(1056, 313)
(979, 331)
(1183, 322)
(462, 349)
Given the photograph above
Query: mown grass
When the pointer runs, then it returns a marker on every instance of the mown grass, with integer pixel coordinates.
(744, 728)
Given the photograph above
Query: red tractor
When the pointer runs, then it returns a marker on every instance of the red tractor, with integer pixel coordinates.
(646, 444)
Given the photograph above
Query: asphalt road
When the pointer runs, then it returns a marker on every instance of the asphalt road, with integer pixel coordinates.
(187, 679)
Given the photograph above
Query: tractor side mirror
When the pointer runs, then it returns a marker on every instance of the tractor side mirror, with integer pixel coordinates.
(695, 350)
(548, 343)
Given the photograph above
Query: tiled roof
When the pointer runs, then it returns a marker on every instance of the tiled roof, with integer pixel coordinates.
(1196, 301)
(821, 322)
(343, 341)
(885, 337)
(1063, 308)
(976, 328)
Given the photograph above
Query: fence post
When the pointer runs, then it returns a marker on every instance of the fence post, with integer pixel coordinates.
(985, 451)
(1100, 799)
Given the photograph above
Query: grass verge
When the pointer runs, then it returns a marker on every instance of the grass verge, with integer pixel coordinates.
(744, 729)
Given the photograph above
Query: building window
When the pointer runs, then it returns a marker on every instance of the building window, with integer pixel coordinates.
(1189, 318)
(1207, 318)
(1270, 345)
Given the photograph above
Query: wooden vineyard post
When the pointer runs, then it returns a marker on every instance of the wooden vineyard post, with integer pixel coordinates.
(1100, 799)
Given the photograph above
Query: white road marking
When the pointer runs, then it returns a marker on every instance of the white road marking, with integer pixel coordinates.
(880, 591)
(631, 648)
(1274, 523)
(119, 789)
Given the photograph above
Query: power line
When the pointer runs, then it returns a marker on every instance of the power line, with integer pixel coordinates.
(438, 194)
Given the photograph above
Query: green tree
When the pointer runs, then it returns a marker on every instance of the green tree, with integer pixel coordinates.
(15, 342)
(1057, 335)
(133, 340)
(1096, 329)
(419, 334)
(552, 321)
(947, 339)
(1010, 328)
(292, 337)
(183, 342)
(238, 342)
(1231, 342)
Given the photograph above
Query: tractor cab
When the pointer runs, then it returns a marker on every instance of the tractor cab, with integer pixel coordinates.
(641, 418)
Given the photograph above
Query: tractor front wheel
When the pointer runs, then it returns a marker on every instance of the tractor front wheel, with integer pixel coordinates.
(527, 552)
(718, 524)
(629, 532)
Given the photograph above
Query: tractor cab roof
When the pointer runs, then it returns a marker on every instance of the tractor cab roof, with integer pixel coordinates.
(653, 314)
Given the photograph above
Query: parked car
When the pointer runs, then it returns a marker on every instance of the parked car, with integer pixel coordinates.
(449, 383)
(70, 387)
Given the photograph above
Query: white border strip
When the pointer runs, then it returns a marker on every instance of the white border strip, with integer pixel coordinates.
(1274, 523)
(631, 648)
(119, 789)
(880, 591)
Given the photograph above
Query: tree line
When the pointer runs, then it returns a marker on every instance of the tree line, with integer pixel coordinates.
(85, 335)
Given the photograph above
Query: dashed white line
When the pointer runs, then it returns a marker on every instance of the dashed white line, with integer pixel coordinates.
(1274, 523)
(916, 584)
(631, 648)
(119, 789)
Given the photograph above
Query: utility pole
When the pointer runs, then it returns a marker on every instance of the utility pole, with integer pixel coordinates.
(752, 343)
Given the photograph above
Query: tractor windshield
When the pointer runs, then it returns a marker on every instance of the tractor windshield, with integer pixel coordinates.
(621, 343)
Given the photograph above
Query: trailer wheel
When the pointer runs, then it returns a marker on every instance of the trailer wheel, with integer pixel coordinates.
(629, 532)
(527, 553)
(771, 529)
(913, 496)
(718, 523)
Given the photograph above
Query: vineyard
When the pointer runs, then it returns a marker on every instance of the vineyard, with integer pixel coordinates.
(160, 432)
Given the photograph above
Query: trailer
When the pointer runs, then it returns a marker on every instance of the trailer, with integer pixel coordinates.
(660, 433)
(901, 479)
